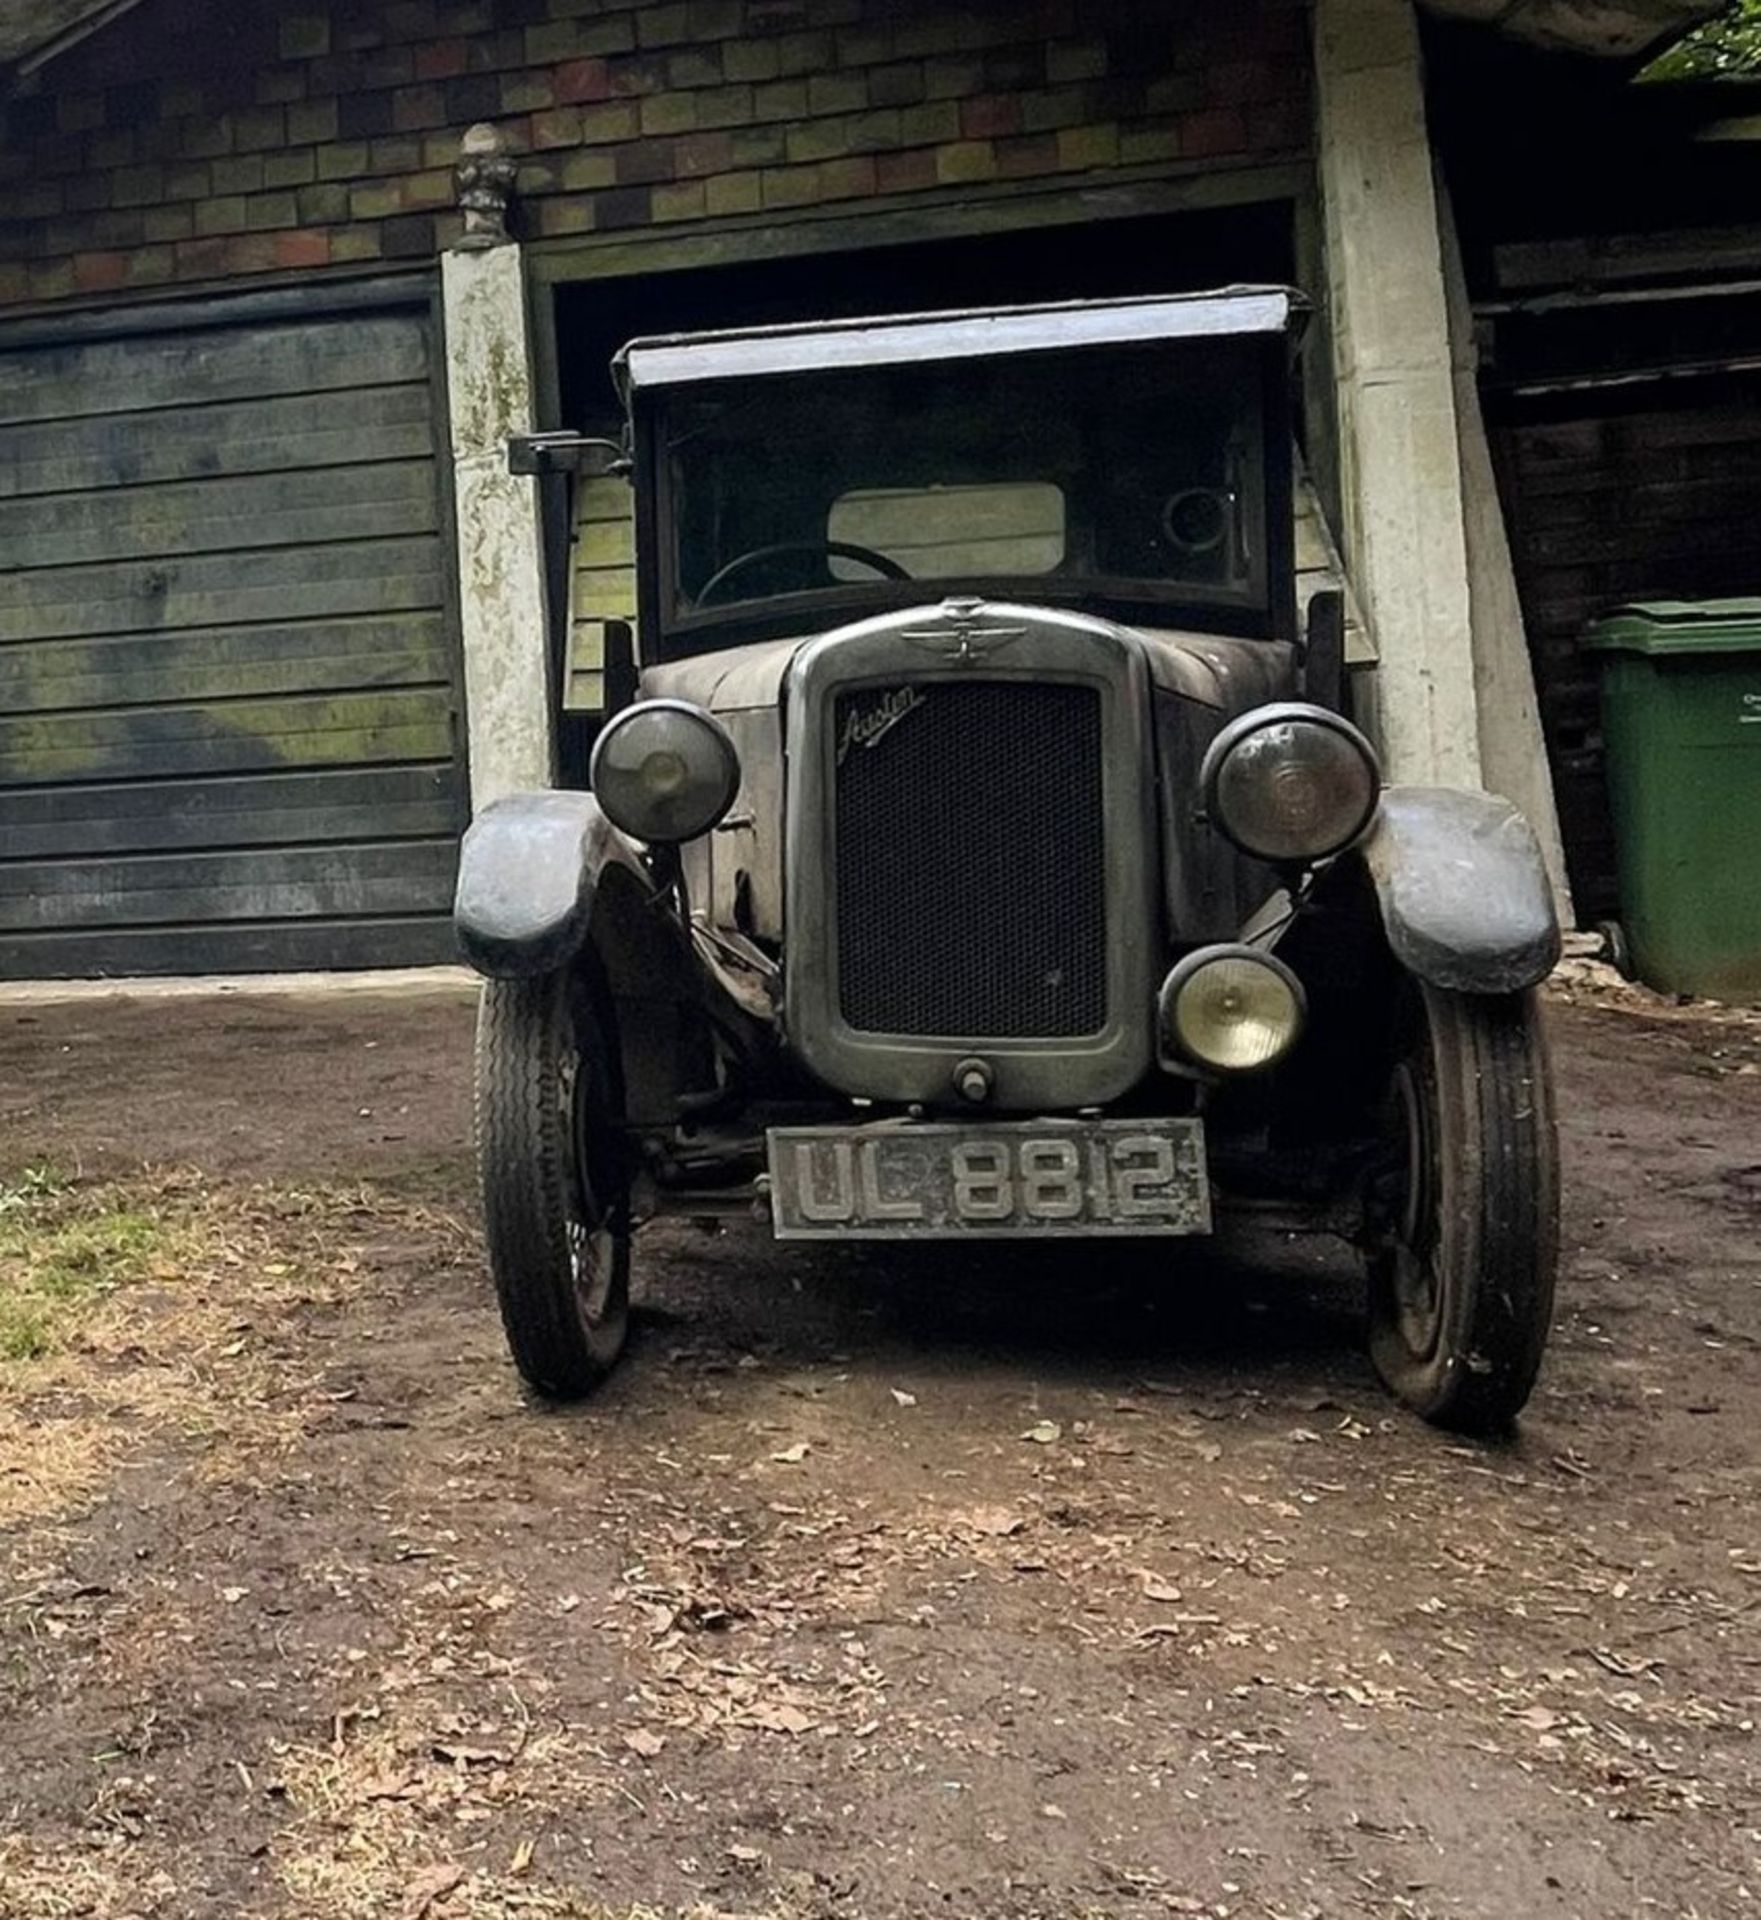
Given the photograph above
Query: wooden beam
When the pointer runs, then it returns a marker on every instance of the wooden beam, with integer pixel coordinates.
(1613, 29)
(1617, 259)
(904, 220)
(293, 296)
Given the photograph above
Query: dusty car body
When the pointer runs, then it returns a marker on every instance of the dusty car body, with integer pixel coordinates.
(978, 849)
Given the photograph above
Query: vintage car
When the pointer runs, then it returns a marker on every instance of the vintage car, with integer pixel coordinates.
(977, 849)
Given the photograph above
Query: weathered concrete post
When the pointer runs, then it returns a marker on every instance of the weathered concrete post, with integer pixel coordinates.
(1400, 456)
(502, 610)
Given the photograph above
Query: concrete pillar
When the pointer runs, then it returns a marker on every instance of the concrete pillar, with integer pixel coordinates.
(502, 600)
(1513, 750)
(1399, 452)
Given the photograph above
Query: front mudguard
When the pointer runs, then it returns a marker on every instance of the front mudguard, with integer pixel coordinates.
(529, 871)
(1462, 888)
(547, 882)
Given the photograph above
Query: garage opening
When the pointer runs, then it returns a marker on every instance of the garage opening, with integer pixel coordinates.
(593, 578)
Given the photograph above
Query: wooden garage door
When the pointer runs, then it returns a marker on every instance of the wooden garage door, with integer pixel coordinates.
(228, 733)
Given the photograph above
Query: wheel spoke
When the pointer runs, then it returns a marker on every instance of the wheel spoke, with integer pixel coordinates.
(591, 1239)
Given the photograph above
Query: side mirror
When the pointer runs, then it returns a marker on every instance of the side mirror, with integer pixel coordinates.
(578, 453)
(1323, 654)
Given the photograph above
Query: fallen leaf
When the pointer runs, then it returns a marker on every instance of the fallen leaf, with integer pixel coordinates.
(1044, 1433)
(1052, 1811)
(390, 1786)
(640, 1740)
(427, 1889)
(783, 1719)
(1617, 1663)
(464, 1756)
(1180, 1620)
(903, 1398)
(1154, 1589)
(996, 1523)
(522, 1857)
(793, 1456)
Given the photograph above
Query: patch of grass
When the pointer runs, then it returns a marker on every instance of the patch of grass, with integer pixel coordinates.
(30, 1189)
(61, 1250)
(149, 1307)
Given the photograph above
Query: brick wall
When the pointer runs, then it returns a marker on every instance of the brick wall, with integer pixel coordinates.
(205, 140)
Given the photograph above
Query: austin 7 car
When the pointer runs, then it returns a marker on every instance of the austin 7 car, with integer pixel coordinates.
(979, 848)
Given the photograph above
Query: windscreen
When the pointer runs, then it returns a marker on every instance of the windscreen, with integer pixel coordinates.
(1130, 473)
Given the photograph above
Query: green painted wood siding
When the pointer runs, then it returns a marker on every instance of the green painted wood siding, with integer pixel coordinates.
(602, 585)
(227, 683)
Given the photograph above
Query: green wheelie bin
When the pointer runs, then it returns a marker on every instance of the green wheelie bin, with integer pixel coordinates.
(1681, 713)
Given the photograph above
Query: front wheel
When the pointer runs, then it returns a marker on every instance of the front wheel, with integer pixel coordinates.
(556, 1215)
(1465, 1210)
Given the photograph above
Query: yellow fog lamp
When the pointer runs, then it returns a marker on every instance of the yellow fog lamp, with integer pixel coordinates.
(1231, 1009)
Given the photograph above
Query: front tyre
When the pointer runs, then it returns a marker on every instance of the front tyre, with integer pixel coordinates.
(556, 1213)
(1465, 1209)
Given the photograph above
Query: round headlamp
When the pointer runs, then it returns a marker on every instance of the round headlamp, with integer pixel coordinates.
(664, 771)
(1231, 1008)
(1291, 782)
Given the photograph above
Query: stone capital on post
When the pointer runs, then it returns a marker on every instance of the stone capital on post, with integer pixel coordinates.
(483, 181)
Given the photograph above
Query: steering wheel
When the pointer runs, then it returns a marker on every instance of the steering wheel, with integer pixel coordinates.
(831, 549)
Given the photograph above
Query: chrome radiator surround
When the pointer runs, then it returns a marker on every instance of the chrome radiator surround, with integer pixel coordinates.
(961, 643)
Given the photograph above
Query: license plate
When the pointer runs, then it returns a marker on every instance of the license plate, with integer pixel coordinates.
(926, 1180)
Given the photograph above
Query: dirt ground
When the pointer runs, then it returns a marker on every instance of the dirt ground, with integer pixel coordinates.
(871, 1587)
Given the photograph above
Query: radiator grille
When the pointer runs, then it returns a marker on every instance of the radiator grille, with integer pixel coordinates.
(970, 882)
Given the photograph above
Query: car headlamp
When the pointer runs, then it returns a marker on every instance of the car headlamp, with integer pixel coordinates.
(664, 771)
(1231, 1008)
(1291, 782)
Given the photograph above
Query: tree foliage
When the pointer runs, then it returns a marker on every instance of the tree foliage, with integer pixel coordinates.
(1728, 48)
